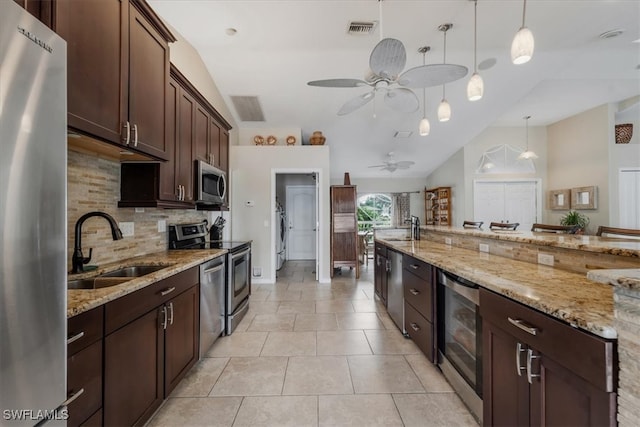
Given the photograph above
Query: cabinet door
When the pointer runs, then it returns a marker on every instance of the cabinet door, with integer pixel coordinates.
(134, 371)
(505, 394)
(181, 337)
(97, 35)
(223, 162)
(84, 371)
(201, 135)
(168, 169)
(561, 398)
(214, 143)
(185, 143)
(148, 84)
(381, 277)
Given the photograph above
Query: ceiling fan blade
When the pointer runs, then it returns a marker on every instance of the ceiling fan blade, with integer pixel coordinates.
(405, 164)
(356, 103)
(338, 83)
(388, 58)
(432, 75)
(379, 166)
(390, 168)
(402, 99)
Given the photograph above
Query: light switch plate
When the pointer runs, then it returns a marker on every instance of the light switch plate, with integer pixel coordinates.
(483, 247)
(257, 271)
(127, 228)
(447, 240)
(545, 259)
(162, 226)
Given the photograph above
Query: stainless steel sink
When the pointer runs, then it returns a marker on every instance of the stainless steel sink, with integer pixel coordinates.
(96, 282)
(134, 271)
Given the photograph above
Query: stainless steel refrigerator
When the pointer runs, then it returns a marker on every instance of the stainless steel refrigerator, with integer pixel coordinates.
(33, 224)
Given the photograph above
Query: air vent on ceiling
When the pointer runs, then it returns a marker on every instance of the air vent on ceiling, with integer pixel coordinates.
(248, 108)
(361, 27)
(403, 134)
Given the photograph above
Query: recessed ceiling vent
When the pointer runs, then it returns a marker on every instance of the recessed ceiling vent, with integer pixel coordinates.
(248, 108)
(361, 27)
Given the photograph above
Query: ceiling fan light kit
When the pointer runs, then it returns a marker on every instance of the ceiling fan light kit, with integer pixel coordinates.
(523, 43)
(391, 165)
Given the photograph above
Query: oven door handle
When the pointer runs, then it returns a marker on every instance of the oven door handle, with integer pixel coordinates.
(241, 254)
(214, 269)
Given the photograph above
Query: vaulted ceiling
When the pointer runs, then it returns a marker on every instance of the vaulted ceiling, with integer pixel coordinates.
(281, 45)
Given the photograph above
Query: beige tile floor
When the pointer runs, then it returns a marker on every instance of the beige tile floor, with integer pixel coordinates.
(311, 354)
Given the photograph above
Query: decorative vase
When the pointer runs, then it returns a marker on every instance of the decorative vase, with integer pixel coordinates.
(291, 140)
(347, 179)
(317, 138)
(624, 132)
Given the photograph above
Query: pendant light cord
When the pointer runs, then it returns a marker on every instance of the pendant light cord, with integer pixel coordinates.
(444, 58)
(424, 89)
(526, 126)
(475, 35)
(524, 10)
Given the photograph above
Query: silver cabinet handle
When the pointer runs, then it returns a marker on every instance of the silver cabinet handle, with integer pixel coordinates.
(388, 266)
(378, 260)
(127, 133)
(519, 349)
(170, 313)
(214, 269)
(168, 291)
(519, 323)
(415, 266)
(182, 192)
(414, 291)
(135, 135)
(164, 317)
(414, 326)
(530, 357)
(73, 397)
(75, 338)
(179, 192)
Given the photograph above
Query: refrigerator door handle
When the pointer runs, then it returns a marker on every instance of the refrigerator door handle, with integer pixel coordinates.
(75, 338)
(73, 397)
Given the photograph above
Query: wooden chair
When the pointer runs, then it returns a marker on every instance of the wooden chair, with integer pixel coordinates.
(504, 225)
(472, 224)
(618, 231)
(368, 247)
(561, 229)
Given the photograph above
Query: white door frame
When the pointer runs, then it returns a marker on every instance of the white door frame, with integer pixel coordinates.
(319, 207)
(538, 182)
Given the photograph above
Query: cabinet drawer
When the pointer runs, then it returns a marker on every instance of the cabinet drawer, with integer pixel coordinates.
(123, 310)
(380, 249)
(417, 267)
(419, 329)
(84, 329)
(590, 357)
(419, 293)
(84, 371)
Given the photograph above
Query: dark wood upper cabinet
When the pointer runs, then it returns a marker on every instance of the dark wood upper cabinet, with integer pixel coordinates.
(118, 71)
(41, 9)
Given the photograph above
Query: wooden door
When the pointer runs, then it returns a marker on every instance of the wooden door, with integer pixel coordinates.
(214, 144)
(201, 134)
(224, 152)
(168, 170)
(301, 220)
(505, 394)
(148, 84)
(134, 371)
(184, 146)
(181, 337)
(561, 398)
(97, 35)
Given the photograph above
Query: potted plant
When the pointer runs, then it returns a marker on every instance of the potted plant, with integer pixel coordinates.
(575, 218)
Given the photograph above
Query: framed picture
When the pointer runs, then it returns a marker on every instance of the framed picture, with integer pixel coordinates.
(559, 199)
(584, 197)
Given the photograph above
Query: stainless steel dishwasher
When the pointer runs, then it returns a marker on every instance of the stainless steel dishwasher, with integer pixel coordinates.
(395, 291)
(212, 308)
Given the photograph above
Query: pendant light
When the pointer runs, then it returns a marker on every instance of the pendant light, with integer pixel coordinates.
(523, 43)
(527, 154)
(425, 127)
(475, 87)
(444, 109)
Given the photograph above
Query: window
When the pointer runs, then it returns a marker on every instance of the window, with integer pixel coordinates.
(374, 210)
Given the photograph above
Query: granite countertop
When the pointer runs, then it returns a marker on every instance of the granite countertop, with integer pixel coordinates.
(567, 296)
(627, 278)
(607, 245)
(81, 300)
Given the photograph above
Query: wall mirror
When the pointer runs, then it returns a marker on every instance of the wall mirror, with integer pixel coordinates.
(559, 199)
(584, 198)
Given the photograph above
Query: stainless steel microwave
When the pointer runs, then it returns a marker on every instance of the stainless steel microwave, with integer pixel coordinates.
(211, 184)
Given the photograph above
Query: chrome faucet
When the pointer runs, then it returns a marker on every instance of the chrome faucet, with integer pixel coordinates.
(415, 227)
(78, 259)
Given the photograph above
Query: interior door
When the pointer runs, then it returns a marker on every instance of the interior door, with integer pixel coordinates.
(301, 216)
(629, 196)
(317, 233)
(507, 201)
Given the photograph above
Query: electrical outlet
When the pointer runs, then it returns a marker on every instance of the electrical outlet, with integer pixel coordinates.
(127, 228)
(139, 210)
(545, 259)
(483, 247)
(162, 226)
(447, 240)
(257, 271)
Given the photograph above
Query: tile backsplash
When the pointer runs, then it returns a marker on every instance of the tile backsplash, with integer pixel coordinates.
(93, 184)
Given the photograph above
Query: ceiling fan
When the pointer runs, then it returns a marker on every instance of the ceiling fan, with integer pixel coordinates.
(386, 62)
(391, 165)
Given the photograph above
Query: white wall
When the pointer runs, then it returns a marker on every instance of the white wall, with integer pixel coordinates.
(578, 156)
(392, 185)
(252, 170)
(451, 174)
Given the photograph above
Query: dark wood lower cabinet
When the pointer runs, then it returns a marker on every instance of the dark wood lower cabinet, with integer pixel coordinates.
(538, 371)
(381, 272)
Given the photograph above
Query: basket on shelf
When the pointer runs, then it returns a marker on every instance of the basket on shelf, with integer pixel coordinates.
(317, 138)
(624, 132)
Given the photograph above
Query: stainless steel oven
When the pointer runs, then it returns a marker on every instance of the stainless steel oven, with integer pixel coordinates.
(460, 338)
(239, 285)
